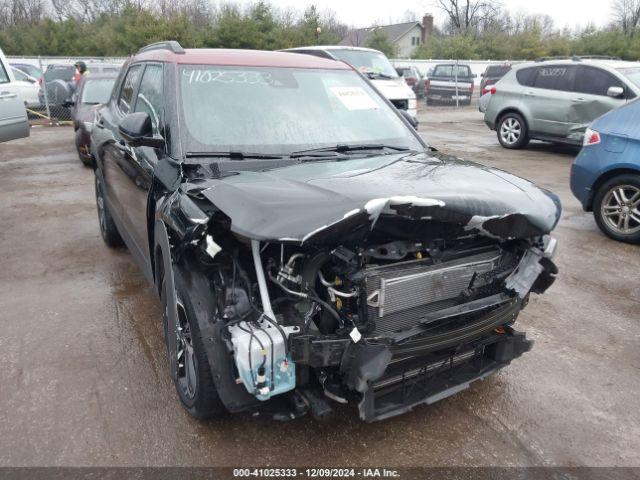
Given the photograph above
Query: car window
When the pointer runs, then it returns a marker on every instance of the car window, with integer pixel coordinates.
(526, 76)
(128, 86)
(149, 98)
(450, 71)
(497, 71)
(595, 81)
(4, 78)
(19, 75)
(555, 77)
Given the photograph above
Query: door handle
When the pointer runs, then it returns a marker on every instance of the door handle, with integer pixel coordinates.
(8, 95)
(577, 99)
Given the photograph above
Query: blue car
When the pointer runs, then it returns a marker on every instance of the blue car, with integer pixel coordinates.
(605, 176)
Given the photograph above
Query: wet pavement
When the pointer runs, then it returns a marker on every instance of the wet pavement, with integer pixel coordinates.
(84, 376)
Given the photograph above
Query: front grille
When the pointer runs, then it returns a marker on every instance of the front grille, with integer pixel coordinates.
(401, 104)
(400, 295)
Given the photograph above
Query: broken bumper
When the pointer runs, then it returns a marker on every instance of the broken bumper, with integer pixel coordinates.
(391, 377)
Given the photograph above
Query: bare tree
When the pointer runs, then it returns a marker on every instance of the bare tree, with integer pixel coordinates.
(21, 12)
(466, 15)
(627, 15)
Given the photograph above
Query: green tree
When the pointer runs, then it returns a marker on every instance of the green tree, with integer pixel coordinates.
(379, 40)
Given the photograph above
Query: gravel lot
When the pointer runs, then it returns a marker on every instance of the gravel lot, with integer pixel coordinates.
(85, 382)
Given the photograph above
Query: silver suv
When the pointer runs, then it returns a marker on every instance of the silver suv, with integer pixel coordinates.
(555, 100)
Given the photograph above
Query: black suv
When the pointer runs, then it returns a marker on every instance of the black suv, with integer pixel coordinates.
(309, 249)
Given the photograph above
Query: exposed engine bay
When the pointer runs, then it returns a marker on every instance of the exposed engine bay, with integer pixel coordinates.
(348, 323)
(324, 286)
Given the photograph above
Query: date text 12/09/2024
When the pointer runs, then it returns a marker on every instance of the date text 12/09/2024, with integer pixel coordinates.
(315, 473)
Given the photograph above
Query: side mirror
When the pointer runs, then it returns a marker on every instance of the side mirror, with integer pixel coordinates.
(410, 118)
(616, 92)
(482, 75)
(68, 103)
(137, 131)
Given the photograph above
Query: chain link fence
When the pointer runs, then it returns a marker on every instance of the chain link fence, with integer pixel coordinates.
(49, 84)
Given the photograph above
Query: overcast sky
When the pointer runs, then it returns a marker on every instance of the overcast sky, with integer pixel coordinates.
(363, 13)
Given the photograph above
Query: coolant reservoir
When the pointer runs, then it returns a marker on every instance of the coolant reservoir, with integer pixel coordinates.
(259, 350)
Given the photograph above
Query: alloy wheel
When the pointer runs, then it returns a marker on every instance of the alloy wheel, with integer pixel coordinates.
(102, 218)
(621, 209)
(187, 372)
(510, 130)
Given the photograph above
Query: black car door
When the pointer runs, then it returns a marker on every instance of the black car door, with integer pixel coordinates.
(119, 165)
(141, 161)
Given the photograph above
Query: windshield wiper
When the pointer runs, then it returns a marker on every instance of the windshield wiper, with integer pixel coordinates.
(234, 155)
(378, 75)
(322, 151)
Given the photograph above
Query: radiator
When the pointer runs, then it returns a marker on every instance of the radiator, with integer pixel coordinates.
(399, 295)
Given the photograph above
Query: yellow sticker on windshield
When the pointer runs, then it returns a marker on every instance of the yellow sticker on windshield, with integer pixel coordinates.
(354, 98)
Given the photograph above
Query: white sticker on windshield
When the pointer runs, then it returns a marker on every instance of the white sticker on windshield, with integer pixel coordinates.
(354, 98)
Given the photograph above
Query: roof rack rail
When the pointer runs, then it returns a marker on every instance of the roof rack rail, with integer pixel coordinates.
(171, 45)
(577, 58)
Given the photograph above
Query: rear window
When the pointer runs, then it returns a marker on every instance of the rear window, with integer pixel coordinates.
(59, 73)
(97, 90)
(497, 70)
(450, 71)
(526, 76)
(555, 77)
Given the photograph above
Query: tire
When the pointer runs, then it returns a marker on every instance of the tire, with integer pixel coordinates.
(108, 228)
(616, 208)
(86, 160)
(512, 131)
(194, 383)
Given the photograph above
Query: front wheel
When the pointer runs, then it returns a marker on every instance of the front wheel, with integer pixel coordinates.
(616, 208)
(193, 380)
(512, 131)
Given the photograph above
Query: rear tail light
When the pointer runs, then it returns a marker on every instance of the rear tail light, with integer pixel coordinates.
(591, 137)
(493, 90)
(427, 83)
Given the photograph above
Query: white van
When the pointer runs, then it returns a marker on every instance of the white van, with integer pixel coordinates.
(375, 65)
(13, 115)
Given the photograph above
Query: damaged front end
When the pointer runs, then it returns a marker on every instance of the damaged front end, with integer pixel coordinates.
(389, 303)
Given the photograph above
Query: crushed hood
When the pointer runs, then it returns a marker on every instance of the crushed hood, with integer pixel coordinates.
(416, 196)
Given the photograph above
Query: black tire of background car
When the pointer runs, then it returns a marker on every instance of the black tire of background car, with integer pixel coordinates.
(627, 179)
(85, 159)
(206, 403)
(523, 141)
(108, 228)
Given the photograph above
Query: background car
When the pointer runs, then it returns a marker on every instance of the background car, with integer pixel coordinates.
(13, 115)
(556, 100)
(27, 87)
(59, 80)
(492, 74)
(605, 176)
(376, 66)
(450, 83)
(93, 91)
(413, 78)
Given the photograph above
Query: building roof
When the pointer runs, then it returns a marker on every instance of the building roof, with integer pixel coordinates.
(245, 58)
(394, 33)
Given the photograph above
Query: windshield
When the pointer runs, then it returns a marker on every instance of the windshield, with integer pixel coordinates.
(632, 74)
(366, 61)
(283, 110)
(29, 70)
(97, 90)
